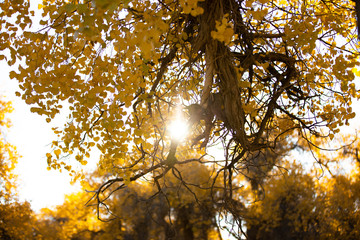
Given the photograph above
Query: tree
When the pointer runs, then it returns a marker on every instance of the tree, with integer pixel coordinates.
(292, 204)
(8, 156)
(340, 197)
(299, 205)
(288, 210)
(71, 220)
(184, 212)
(138, 213)
(15, 217)
(255, 71)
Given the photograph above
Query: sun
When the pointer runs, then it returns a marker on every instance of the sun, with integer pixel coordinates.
(178, 129)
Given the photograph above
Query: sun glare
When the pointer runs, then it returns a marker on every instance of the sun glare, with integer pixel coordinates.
(178, 129)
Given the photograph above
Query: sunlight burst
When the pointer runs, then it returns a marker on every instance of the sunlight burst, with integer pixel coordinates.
(178, 129)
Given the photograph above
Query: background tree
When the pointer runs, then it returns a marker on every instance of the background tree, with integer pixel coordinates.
(257, 71)
(321, 204)
(138, 212)
(71, 220)
(288, 209)
(186, 211)
(15, 217)
(298, 206)
(339, 210)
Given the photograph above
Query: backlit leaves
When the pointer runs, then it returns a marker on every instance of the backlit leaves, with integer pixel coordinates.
(259, 71)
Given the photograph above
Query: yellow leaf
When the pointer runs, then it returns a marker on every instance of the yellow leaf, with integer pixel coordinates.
(12, 74)
(356, 71)
(57, 153)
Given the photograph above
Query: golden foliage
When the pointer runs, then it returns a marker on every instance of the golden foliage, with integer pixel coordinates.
(103, 58)
(260, 71)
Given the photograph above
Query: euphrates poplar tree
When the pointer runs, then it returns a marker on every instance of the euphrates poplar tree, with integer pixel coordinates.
(245, 75)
